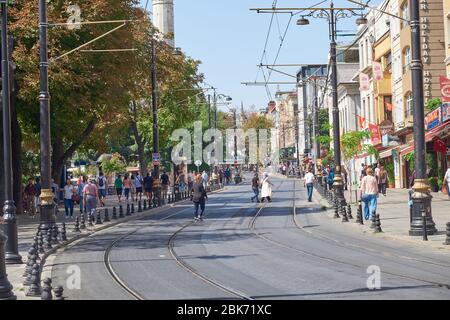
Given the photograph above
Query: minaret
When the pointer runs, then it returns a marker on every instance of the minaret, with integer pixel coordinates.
(164, 19)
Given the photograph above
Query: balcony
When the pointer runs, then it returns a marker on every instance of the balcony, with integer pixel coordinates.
(384, 87)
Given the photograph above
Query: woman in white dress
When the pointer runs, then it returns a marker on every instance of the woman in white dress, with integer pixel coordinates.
(266, 188)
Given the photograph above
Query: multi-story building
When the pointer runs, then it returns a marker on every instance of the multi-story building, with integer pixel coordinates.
(308, 92)
(447, 35)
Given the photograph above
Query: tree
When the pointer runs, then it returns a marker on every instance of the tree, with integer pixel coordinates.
(87, 89)
(113, 165)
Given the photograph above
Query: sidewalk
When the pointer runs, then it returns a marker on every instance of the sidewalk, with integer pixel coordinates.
(394, 215)
(27, 228)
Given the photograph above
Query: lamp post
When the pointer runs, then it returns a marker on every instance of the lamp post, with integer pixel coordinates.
(9, 224)
(47, 217)
(421, 197)
(332, 14)
(9, 219)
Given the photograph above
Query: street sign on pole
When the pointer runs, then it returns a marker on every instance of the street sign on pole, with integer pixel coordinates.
(198, 163)
(156, 159)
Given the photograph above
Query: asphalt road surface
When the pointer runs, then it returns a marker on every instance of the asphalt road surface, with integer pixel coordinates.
(245, 250)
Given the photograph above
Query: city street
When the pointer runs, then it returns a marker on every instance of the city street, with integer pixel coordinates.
(244, 250)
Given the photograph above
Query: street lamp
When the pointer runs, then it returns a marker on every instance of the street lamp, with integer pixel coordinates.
(47, 217)
(421, 197)
(9, 208)
(332, 14)
(9, 225)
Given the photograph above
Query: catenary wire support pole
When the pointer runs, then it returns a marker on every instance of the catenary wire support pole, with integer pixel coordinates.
(47, 217)
(156, 182)
(421, 197)
(9, 225)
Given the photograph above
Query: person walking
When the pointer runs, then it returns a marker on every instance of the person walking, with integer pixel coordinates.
(37, 201)
(309, 184)
(29, 197)
(81, 184)
(330, 179)
(133, 187)
(101, 186)
(446, 182)
(118, 185)
(138, 183)
(91, 196)
(369, 194)
(165, 184)
(199, 197)
(266, 188)
(204, 177)
(382, 180)
(69, 193)
(148, 186)
(127, 186)
(255, 187)
(55, 191)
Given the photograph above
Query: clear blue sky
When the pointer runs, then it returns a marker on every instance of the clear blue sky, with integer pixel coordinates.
(229, 40)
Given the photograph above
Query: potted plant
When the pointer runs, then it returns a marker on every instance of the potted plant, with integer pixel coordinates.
(391, 175)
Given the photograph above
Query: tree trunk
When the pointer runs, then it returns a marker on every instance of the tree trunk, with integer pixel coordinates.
(59, 156)
(16, 144)
(140, 142)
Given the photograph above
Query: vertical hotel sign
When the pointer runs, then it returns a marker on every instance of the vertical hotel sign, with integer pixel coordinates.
(425, 37)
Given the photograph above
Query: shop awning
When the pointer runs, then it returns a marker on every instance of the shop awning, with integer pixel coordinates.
(429, 136)
(388, 152)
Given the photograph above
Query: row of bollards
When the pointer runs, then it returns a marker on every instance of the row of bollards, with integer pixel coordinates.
(43, 242)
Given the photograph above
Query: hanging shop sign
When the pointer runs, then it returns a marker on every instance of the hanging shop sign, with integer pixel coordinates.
(445, 88)
(386, 127)
(363, 82)
(377, 70)
(433, 119)
(445, 112)
(376, 137)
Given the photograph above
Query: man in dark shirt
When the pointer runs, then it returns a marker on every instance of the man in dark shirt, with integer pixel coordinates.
(255, 187)
(148, 186)
(165, 184)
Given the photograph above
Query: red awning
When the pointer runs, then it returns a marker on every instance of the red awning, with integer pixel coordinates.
(429, 136)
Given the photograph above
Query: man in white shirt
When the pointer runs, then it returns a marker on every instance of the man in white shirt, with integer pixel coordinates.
(204, 179)
(447, 181)
(309, 184)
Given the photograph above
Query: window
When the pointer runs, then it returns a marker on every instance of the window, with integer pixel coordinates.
(408, 105)
(388, 107)
(405, 13)
(406, 59)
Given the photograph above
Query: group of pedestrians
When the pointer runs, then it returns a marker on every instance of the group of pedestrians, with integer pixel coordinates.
(265, 185)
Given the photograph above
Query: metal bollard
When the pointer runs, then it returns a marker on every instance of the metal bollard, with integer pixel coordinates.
(132, 208)
(35, 289)
(377, 224)
(336, 211)
(121, 212)
(106, 215)
(447, 234)
(83, 221)
(128, 210)
(343, 213)
(114, 214)
(47, 290)
(98, 219)
(424, 225)
(55, 234)
(140, 206)
(145, 204)
(63, 232)
(48, 239)
(372, 225)
(59, 290)
(349, 212)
